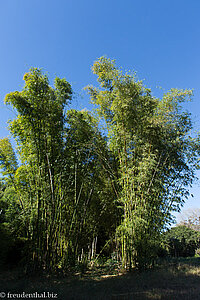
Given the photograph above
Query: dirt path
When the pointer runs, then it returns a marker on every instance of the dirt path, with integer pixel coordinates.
(174, 281)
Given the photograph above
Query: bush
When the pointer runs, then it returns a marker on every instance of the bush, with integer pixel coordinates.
(181, 241)
(12, 249)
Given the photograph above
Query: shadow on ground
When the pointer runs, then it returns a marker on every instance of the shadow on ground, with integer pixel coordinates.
(177, 280)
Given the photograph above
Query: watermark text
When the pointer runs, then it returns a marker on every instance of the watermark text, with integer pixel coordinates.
(24, 295)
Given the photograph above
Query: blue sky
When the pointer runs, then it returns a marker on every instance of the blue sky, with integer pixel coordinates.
(158, 39)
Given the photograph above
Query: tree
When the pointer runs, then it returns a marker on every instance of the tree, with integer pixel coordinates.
(63, 188)
(73, 191)
(39, 131)
(191, 219)
(89, 190)
(181, 241)
(150, 139)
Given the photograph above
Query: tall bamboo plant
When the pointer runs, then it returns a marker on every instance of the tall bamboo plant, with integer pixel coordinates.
(39, 131)
(151, 140)
(60, 182)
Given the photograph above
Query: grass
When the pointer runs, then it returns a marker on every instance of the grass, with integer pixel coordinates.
(174, 279)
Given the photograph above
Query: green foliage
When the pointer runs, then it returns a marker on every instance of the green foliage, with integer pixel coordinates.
(8, 160)
(150, 139)
(60, 198)
(39, 132)
(182, 241)
(76, 192)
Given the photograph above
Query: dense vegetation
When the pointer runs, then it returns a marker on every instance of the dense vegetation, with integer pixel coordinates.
(75, 190)
(180, 241)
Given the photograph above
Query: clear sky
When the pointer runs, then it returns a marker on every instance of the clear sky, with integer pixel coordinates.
(160, 39)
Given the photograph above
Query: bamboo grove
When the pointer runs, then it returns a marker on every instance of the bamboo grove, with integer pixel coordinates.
(74, 191)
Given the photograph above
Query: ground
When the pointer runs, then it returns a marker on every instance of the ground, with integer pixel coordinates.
(177, 279)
